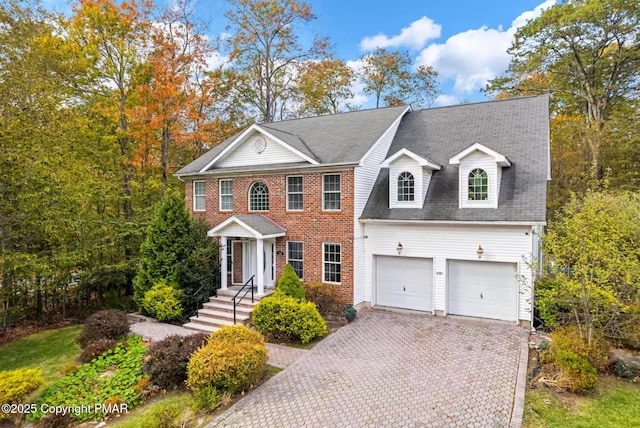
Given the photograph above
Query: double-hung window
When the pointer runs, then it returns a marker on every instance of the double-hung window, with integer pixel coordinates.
(332, 263)
(226, 195)
(331, 192)
(295, 199)
(295, 257)
(199, 189)
(406, 187)
(478, 185)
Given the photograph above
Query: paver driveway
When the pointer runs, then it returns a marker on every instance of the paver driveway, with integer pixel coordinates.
(396, 370)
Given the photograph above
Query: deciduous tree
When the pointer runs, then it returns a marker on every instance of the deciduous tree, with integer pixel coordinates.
(325, 87)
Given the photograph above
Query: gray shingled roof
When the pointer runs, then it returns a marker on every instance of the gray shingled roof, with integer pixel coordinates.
(261, 224)
(338, 138)
(517, 128)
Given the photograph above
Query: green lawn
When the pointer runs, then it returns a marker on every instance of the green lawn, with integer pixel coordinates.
(51, 350)
(615, 403)
(175, 406)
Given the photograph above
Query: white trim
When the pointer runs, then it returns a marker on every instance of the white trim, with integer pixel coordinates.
(286, 184)
(244, 135)
(202, 196)
(249, 197)
(220, 180)
(287, 254)
(394, 124)
(323, 262)
(423, 162)
(214, 231)
(497, 157)
(268, 170)
(461, 222)
(324, 175)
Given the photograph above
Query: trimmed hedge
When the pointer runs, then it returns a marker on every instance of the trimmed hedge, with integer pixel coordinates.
(287, 319)
(162, 302)
(324, 296)
(166, 361)
(289, 283)
(15, 385)
(108, 324)
(234, 359)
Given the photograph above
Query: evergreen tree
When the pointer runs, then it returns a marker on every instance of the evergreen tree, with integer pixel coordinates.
(169, 243)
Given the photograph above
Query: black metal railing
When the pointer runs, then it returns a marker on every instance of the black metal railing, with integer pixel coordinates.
(201, 295)
(236, 302)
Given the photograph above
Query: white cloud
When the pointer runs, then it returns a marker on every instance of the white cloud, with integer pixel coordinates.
(445, 100)
(413, 36)
(359, 98)
(474, 57)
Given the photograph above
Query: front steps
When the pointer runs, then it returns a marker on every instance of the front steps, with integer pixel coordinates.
(218, 311)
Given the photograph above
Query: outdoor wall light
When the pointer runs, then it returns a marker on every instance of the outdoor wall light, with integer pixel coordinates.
(399, 248)
(479, 251)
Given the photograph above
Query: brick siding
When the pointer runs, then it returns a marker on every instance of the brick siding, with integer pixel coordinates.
(312, 225)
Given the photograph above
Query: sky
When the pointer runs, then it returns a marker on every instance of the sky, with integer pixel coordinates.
(465, 41)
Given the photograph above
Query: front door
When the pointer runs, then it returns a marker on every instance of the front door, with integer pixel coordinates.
(250, 261)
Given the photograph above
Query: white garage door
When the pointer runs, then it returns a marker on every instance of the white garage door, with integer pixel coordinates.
(483, 289)
(404, 282)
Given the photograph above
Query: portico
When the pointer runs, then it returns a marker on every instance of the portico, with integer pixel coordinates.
(257, 235)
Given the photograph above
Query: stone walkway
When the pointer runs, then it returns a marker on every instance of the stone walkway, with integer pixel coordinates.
(279, 356)
(396, 370)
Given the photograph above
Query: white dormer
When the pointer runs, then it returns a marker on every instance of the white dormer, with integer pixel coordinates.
(409, 177)
(480, 172)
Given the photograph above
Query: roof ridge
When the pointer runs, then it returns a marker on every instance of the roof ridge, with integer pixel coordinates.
(334, 114)
(482, 102)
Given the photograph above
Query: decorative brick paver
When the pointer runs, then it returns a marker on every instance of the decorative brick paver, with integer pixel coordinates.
(393, 370)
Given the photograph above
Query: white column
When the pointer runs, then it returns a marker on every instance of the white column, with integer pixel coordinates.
(260, 266)
(223, 262)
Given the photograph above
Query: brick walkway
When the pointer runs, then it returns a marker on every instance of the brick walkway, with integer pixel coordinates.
(394, 370)
(279, 356)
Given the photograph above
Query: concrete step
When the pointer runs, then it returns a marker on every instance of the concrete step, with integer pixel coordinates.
(206, 328)
(223, 315)
(216, 305)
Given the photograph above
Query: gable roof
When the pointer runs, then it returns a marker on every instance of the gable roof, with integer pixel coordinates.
(419, 159)
(256, 224)
(516, 128)
(331, 139)
(497, 157)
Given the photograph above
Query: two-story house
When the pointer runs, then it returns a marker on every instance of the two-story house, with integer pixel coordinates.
(437, 210)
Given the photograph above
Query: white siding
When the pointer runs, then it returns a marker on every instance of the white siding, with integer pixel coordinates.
(246, 154)
(480, 160)
(397, 167)
(426, 179)
(501, 243)
(365, 177)
(236, 230)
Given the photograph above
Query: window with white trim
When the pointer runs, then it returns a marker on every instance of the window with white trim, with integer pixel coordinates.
(478, 185)
(226, 195)
(331, 192)
(259, 197)
(199, 190)
(295, 199)
(406, 187)
(332, 263)
(295, 257)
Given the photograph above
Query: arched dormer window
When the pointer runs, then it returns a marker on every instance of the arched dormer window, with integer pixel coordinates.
(478, 185)
(259, 197)
(406, 187)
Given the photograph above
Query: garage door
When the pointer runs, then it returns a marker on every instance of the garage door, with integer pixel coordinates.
(483, 289)
(404, 282)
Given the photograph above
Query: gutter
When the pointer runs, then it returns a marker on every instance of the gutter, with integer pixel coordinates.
(454, 222)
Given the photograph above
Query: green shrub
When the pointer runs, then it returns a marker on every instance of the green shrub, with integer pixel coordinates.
(15, 385)
(108, 324)
(625, 369)
(233, 359)
(162, 301)
(569, 339)
(577, 373)
(166, 361)
(324, 296)
(166, 416)
(289, 283)
(207, 398)
(96, 348)
(287, 319)
(350, 313)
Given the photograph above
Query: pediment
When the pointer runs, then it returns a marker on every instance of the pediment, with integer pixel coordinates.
(477, 147)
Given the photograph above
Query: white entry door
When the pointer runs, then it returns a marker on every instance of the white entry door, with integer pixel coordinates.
(404, 282)
(483, 289)
(250, 260)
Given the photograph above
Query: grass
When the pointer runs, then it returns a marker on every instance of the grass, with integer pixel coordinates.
(51, 350)
(615, 403)
(175, 404)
